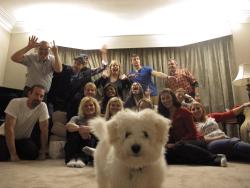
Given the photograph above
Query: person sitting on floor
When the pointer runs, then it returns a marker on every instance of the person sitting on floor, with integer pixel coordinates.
(115, 104)
(217, 140)
(79, 135)
(136, 93)
(185, 145)
(21, 116)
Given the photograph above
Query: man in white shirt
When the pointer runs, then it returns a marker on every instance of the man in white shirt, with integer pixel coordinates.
(15, 133)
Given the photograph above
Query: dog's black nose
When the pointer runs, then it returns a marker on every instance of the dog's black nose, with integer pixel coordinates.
(136, 148)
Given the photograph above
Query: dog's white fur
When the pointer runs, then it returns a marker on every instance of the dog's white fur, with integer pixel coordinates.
(130, 153)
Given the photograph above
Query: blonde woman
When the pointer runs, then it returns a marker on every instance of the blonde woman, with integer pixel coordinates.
(115, 76)
(114, 105)
(78, 134)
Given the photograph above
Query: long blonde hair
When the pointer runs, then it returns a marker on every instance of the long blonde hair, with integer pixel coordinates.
(89, 99)
(113, 99)
(115, 62)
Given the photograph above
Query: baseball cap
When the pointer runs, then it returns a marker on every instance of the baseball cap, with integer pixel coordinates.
(81, 57)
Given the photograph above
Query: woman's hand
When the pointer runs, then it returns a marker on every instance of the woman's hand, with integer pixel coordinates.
(84, 131)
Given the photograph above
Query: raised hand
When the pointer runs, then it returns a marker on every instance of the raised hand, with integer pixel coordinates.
(33, 42)
(104, 50)
(105, 74)
(147, 93)
(123, 76)
(54, 48)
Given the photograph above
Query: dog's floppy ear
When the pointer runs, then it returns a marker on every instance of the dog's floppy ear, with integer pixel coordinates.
(98, 127)
(161, 124)
(112, 127)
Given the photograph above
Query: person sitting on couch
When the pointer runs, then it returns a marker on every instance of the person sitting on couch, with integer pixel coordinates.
(15, 133)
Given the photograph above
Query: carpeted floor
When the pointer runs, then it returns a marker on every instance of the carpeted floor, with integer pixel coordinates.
(54, 174)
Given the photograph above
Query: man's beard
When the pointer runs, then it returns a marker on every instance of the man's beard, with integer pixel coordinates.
(35, 103)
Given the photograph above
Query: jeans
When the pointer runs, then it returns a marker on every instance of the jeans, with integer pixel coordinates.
(233, 148)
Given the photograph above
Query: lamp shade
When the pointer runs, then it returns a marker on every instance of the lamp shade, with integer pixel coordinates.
(243, 76)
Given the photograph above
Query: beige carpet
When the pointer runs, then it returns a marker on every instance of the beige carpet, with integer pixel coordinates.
(54, 174)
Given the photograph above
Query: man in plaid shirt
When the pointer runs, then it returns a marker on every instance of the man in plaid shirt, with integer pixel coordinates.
(183, 79)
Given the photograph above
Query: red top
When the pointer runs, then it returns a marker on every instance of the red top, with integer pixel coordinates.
(222, 116)
(184, 79)
(183, 126)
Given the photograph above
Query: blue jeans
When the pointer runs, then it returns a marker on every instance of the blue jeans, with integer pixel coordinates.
(233, 148)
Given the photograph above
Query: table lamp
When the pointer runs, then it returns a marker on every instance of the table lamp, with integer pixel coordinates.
(243, 77)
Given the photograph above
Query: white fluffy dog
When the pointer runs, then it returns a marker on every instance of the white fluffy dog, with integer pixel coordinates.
(130, 153)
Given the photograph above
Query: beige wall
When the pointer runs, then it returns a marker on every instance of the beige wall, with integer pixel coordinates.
(241, 40)
(4, 47)
(15, 73)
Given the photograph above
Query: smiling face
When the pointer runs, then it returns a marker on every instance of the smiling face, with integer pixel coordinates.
(180, 95)
(135, 89)
(114, 68)
(89, 91)
(88, 108)
(35, 97)
(110, 91)
(166, 100)
(197, 111)
(114, 107)
(135, 60)
(43, 50)
(77, 66)
(172, 66)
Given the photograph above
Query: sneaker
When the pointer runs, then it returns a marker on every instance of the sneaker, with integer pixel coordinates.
(71, 163)
(223, 160)
(88, 150)
(79, 163)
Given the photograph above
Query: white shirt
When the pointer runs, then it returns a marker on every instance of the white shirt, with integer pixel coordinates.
(26, 118)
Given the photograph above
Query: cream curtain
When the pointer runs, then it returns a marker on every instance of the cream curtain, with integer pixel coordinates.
(211, 62)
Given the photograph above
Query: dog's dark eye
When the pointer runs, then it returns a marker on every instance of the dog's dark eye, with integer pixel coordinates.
(127, 134)
(145, 134)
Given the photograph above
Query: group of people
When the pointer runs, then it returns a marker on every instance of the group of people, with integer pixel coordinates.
(194, 137)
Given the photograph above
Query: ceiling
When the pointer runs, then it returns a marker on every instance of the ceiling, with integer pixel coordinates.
(87, 24)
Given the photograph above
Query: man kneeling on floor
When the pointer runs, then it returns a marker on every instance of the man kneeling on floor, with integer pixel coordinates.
(15, 133)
